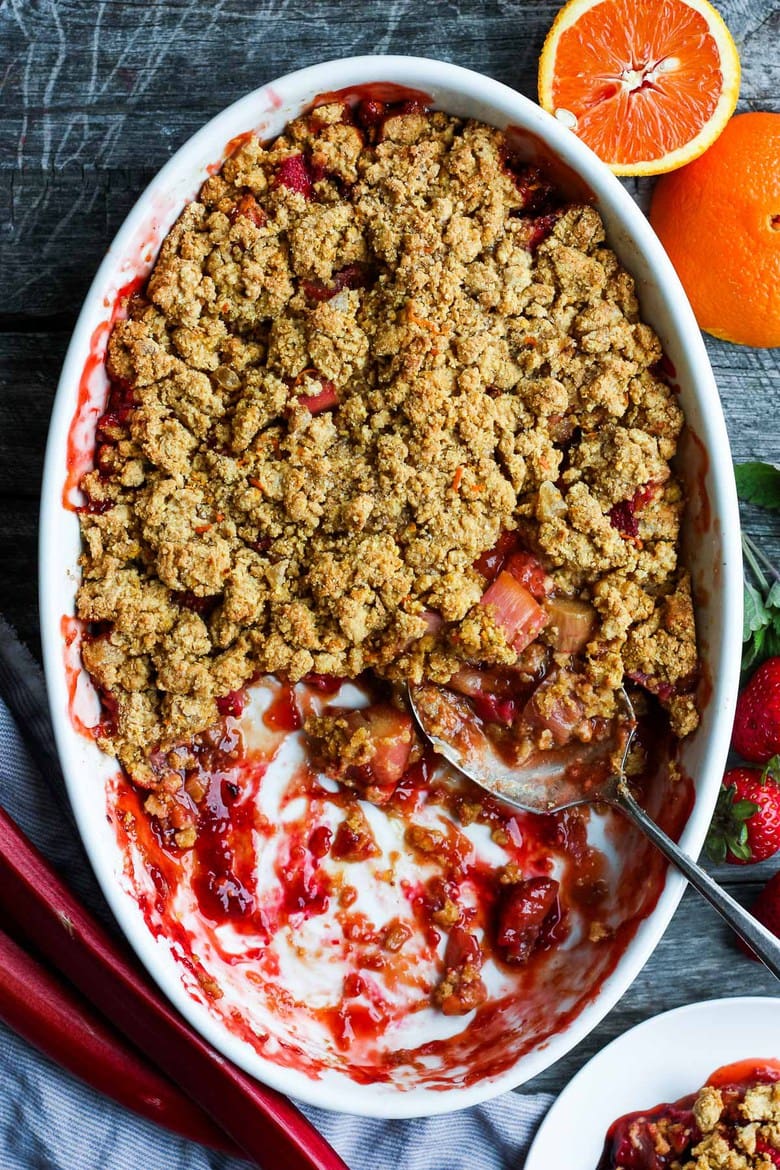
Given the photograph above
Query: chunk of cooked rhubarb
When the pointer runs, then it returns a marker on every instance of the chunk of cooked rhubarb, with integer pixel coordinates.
(515, 611)
(523, 912)
(556, 707)
(391, 735)
(574, 622)
(526, 569)
(367, 749)
(325, 400)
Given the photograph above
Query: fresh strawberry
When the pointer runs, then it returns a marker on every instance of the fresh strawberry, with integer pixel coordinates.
(766, 909)
(757, 724)
(746, 824)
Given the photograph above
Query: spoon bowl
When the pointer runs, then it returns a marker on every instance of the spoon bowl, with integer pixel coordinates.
(540, 781)
(574, 774)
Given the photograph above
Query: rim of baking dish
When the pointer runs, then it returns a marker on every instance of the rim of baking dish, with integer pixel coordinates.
(498, 99)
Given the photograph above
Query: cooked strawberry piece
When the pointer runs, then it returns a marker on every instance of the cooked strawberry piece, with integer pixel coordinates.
(121, 395)
(370, 113)
(526, 569)
(541, 227)
(493, 710)
(623, 515)
(515, 611)
(461, 989)
(248, 208)
(320, 840)
(109, 706)
(326, 684)
(294, 172)
(769, 1152)
(523, 912)
(462, 948)
(203, 606)
(232, 703)
(496, 695)
(325, 400)
(490, 563)
(352, 276)
(537, 194)
(112, 426)
(574, 622)
(354, 840)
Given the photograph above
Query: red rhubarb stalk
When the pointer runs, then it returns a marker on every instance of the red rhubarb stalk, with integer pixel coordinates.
(36, 1005)
(267, 1127)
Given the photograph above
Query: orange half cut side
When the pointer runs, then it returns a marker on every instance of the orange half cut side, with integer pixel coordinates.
(647, 84)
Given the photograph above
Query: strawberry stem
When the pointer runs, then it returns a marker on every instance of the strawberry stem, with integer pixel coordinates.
(753, 553)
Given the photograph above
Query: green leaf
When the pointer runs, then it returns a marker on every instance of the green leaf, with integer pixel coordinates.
(744, 809)
(758, 483)
(773, 600)
(757, 615)
(771, 770)
(740, 848)
(753, 653)
(715, 846)
(770, 646)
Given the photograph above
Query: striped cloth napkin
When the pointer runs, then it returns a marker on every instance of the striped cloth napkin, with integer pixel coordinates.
(49, 1121)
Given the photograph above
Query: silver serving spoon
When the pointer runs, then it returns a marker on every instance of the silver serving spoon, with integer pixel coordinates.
(547, 782)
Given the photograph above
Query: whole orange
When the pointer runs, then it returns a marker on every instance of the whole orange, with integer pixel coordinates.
(719, 220)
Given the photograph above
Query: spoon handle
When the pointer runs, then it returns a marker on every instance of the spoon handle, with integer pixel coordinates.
(760, 940)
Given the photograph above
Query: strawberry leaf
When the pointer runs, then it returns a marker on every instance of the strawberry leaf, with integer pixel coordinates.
(758, 483)
(757, 615)
(728, 832)
(771, 770)
(715, 847)
(740, 848)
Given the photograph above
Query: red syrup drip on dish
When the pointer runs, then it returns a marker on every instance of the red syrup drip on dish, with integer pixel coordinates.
(80, 448)
(224, 858)
(743, 1073)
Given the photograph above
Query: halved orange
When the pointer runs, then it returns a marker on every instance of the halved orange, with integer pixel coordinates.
(647, 84)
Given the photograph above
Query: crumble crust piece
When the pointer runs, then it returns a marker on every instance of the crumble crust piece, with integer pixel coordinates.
(356, 363)
(753, 1143)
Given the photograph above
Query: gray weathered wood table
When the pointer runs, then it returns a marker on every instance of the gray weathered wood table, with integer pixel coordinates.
(96, 96)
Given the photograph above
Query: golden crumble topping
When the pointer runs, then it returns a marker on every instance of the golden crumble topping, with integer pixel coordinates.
(749, 1142)
(364, 354)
